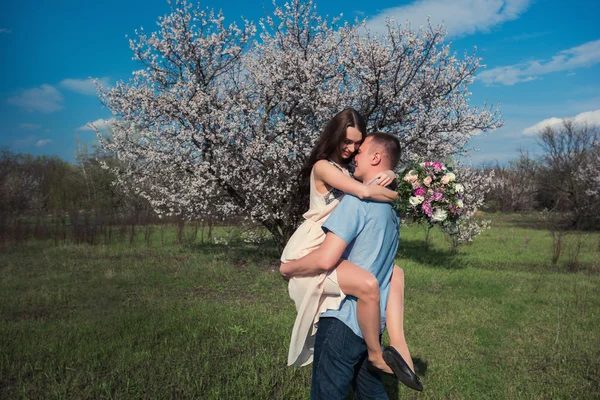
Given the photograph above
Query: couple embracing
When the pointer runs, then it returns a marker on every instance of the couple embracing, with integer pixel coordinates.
(340, 265)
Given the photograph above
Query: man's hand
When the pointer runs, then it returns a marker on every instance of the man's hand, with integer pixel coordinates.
(323, 259)
(284, 271)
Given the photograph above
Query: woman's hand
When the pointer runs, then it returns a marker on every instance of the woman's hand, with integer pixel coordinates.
(385, 178)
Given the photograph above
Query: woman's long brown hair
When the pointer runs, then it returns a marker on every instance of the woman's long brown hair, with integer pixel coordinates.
(328, 144)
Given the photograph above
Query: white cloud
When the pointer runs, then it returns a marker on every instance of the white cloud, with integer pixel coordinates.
(43, 142)
(460, 17)
(535, 129)
(29, 127)
(589, 117)
(83, 86)
(30, 141)
(585, 55)
(100, 124)
(4, 30)
(45, 99)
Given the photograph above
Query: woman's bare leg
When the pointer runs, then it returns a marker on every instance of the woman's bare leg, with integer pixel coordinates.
(363, 285)
(395, 315)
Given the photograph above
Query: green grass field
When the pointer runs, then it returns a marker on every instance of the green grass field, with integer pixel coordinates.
(495, 321)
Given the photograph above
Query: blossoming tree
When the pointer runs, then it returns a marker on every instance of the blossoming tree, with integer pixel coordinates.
(220, 118)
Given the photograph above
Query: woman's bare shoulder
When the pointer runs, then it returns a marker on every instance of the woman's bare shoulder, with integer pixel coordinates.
(322, 165)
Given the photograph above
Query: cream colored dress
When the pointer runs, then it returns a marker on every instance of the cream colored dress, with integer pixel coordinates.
(315, 294)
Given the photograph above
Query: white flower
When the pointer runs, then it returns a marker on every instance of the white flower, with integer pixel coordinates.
(451, 176)
(459, 188)
(439, 215)
(459, 204)
(414, 200)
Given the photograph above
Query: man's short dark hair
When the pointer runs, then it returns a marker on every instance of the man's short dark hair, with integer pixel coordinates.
(387, 144)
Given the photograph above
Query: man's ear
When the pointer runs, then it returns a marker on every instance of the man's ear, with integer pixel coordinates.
(376, 158)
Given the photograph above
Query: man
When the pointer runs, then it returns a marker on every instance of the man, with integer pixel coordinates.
(365, 233)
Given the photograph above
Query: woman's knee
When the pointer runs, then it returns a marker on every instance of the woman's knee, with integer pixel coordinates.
(397, 272)
(370, 289)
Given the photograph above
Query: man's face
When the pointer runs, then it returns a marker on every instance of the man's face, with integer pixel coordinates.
(362, 159)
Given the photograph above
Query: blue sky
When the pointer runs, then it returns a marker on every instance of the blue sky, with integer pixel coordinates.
(542, 57)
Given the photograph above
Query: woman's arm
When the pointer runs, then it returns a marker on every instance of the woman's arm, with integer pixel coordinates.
(384, 178)
(323, 259)
(335, 178)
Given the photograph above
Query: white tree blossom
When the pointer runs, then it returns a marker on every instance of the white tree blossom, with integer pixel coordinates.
(513, 188)
(588, 175)
(477, 183)
(220, 118)
(590, 172)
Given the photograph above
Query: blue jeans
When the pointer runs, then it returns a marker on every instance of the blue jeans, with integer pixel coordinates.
(340, 361)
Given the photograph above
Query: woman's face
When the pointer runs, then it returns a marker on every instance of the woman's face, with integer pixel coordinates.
(351, 143)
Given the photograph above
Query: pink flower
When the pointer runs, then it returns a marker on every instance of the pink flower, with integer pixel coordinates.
(410, 177)
(455, 210)
(426, 207)
(437, 196)
(445, 180)
(416, 184)
(428, 164)
(437, 166)
(427, 181)
(420, 192)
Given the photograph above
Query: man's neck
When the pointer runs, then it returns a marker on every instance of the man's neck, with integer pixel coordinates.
(371, 175)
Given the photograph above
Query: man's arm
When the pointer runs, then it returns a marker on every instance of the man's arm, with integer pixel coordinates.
(323, 259)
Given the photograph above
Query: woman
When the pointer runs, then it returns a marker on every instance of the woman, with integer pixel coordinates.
(326, 178)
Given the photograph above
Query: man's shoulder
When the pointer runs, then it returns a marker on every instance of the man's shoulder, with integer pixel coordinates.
(380, 211)
(364, 204)
(352, 201)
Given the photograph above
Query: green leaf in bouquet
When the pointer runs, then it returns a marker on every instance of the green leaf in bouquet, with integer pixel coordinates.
(449, 163)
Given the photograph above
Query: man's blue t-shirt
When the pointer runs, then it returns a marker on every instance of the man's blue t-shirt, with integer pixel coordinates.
(371, 231)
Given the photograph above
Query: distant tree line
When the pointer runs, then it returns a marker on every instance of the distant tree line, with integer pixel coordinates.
(36, 185)
(564, 178)
(46, 197)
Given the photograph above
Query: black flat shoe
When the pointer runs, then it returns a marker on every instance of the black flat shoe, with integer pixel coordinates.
(401, 369)
(373, 368)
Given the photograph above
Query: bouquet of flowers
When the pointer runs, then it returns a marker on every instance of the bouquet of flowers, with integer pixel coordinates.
(428, 192)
